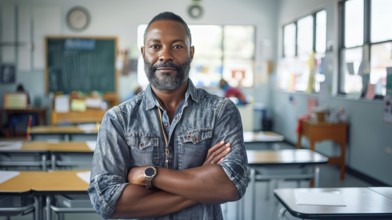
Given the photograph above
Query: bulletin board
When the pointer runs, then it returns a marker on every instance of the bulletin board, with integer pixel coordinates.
(82, 64)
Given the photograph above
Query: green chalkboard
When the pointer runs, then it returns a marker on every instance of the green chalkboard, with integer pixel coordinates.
(81, 64)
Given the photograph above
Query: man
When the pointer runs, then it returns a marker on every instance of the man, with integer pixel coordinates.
(153, 158)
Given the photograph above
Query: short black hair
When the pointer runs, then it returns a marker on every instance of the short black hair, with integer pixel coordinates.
(172, 17)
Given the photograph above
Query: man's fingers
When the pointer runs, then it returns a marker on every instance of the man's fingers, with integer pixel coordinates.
(219, 156)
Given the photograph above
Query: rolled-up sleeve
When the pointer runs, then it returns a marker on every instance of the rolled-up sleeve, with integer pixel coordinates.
(229, 128)
(110, 165)
(104, 191)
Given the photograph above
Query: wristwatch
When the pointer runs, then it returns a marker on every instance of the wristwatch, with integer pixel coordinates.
(149, 174)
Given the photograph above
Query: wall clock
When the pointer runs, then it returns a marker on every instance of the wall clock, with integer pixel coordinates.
(78, 18)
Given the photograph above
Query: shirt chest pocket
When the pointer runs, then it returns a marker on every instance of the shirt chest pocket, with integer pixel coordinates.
(142, 142)
(195, 142)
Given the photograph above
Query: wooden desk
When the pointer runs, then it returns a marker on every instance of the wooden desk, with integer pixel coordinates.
(65, 131)
(360, 203)
(14, 155)
(46, 185)
(88, 116)
(56, 183)
(262, 137)
(17, 192)
(66, 146)
(26, 155)
(321, 131)
(291, 159)
(41, 118)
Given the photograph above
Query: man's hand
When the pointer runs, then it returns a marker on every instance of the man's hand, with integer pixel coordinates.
(136, 175)
(217, 153)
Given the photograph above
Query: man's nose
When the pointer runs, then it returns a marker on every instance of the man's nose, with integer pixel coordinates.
(165, 55)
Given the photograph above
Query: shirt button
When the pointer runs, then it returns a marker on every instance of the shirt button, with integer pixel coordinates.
(141, 145)
(166, 124)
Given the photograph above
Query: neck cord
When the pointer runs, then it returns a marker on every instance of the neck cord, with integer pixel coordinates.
(165, 138)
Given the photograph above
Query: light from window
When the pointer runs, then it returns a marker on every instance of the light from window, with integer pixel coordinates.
(351, 81)
(353, 25)
(381, 59)
(289, 40)
(381, 20)
(321, 31)
(305, 36)
(220, 51)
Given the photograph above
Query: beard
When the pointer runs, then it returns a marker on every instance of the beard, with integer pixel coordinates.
(165, 81)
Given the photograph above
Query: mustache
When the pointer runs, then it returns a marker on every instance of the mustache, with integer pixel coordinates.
(166, 64)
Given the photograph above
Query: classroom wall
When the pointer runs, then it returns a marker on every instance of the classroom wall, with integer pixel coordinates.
(120, 18)
(370, 136)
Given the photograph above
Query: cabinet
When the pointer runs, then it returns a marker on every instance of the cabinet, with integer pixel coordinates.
(323, 131)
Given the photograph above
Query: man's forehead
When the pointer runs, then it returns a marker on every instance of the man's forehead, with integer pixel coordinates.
(166, 28)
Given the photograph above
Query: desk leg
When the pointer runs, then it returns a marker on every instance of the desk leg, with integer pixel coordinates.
(44, 160)
(53, 161)
(299, 137)
(48, 208)
(253, 181)
(342, 160)
(37, 209)
(316, 176)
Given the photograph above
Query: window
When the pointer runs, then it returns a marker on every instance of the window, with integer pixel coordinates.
(366, 46)
(289, 35)
(226, 51)
(304, 45)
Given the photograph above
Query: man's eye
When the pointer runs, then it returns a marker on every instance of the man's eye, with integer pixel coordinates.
(178, 46)
(155, 46)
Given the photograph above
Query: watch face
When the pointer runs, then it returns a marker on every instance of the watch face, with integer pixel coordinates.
(78, 18)
(150, 171)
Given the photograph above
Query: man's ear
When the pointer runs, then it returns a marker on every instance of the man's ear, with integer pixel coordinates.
(192, 51)
(142, 50)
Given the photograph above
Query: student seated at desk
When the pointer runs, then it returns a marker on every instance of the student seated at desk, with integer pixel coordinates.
(18, 123)
(233, 93)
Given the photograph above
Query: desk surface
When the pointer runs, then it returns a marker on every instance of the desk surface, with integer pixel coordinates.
(262, 136)
(66, 146)
(45, 182)
(360, 203)
(63, 130)
(21, 183)
(285, 157)
(43, 146)
(60, 181)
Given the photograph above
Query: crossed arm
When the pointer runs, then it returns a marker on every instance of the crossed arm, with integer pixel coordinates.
(177, 189)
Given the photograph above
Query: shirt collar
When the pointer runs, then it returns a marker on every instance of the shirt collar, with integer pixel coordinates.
(152, 101)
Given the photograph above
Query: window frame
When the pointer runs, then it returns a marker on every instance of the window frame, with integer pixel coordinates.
(314, 42)
(366, 46)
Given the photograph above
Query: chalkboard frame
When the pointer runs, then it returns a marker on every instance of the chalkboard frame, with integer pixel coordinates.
(95, 38)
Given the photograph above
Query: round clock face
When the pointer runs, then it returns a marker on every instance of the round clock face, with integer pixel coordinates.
(78, 18)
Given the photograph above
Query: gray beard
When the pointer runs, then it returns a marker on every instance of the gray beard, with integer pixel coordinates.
(166, 82)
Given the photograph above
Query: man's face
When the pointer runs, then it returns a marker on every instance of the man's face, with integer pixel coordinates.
(167, 55)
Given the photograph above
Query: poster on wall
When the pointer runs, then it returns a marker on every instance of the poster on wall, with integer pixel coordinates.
(388, 108)
(7, 73)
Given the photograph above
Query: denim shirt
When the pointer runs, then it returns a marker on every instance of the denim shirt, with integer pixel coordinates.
(131, 135)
